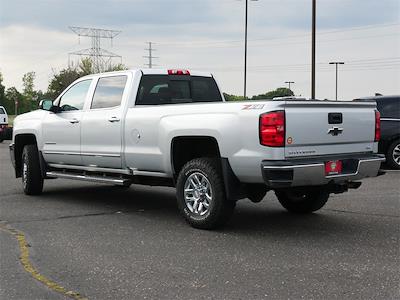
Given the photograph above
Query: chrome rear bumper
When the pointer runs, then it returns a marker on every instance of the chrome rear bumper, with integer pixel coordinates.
(311, 172)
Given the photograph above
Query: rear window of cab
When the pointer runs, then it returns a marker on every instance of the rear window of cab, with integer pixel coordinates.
(175, 89)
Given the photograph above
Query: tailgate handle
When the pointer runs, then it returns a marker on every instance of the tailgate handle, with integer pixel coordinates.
(335, 118)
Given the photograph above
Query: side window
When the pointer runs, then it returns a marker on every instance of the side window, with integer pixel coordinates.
(109, 91)
(75, 97)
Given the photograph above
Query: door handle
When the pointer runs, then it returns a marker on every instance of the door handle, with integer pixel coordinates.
(113, 119)
(74, 121)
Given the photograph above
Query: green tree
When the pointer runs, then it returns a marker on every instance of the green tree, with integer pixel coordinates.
(61, 81)
(279, 92)
(30, 96)
(65, 77)
(28, 85)
(12, 95)
(86, 67)
(117, 67)
(229, 97)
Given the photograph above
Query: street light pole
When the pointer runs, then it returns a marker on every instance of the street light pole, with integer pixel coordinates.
(245, 47)
(289, 83)
(336, 63)
(314, 14)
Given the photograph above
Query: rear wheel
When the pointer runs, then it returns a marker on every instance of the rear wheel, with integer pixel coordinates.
(393, 155)
(303, 201)
(201, 194)
(32, 180)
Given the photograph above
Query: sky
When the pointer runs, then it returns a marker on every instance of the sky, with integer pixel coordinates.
(208, 35)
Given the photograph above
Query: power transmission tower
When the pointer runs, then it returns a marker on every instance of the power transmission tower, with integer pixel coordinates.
(101, 58)
(150, 57)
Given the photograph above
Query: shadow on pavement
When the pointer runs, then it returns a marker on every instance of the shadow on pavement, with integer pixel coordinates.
(249, 219)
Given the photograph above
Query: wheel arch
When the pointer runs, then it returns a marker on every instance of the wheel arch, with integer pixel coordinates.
(186, 148)
(20, 141)
(387, 142)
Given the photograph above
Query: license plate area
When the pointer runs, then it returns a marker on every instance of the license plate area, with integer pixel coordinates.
(333, 167)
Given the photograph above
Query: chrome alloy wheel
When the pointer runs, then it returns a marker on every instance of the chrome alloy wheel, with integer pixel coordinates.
(396, 154)
(24, 172)
(198, 194)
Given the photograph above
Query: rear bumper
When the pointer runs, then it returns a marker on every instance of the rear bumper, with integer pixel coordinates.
(311, 172)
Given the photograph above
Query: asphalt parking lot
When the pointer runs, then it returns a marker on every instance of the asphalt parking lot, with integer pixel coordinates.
(104, 242)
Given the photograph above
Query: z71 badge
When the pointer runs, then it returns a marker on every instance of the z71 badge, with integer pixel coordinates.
(252, 106)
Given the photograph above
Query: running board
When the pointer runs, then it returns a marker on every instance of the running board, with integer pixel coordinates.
(91, 178)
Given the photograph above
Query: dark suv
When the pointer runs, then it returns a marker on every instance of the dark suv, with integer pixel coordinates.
(389, 107)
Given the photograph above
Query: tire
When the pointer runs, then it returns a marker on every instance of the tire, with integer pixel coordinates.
(206, 205)
(32, 179)
(303, 201)
(393, 155)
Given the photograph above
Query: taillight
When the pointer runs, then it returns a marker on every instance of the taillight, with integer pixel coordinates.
(178, 72)
(272, 129)
(377, 126)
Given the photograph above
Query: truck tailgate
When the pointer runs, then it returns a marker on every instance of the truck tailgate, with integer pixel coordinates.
(324, 128)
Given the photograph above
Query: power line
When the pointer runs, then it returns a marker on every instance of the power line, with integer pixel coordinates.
(101, 58)
(353, 65)
(214, 42)
(272, 42)
(150, 57)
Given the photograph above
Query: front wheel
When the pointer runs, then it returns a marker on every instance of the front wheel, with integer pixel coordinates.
(32, 179)
(303, 201)
(201, 194)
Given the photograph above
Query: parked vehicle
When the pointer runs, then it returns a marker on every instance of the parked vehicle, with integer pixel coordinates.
(389, 107)
(173, 127)
(3, 124)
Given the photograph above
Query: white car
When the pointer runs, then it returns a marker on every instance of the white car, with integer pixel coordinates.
(174, 128)
(3, 123)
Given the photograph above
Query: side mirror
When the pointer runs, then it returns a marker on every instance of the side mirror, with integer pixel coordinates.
(46, 104)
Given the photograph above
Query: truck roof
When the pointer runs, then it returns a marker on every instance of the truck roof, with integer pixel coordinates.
(166, 71)
(157, 72)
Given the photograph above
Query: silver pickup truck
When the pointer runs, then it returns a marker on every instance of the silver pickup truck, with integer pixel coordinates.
(174, 128)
